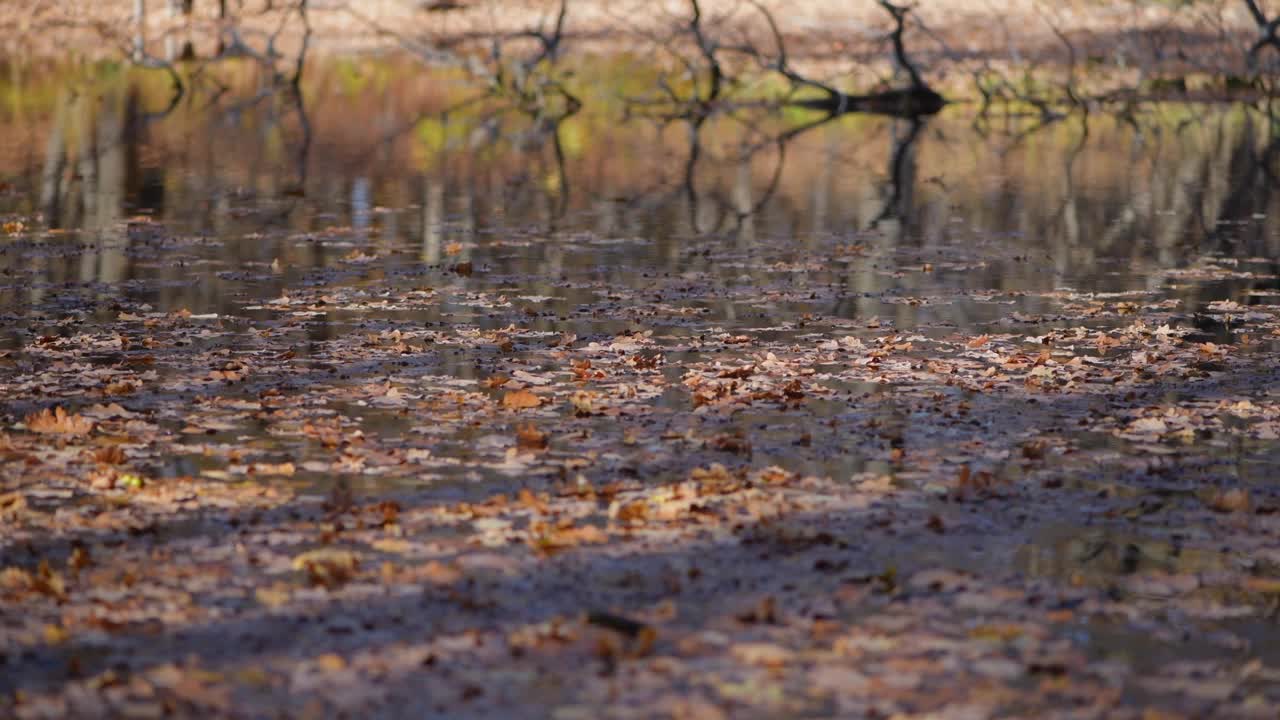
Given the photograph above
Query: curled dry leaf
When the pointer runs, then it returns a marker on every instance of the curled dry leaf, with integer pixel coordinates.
(1034, 449)
(273, 596)
(12, 503)
(639, 636)
(529, 437)
(15, 580)
(734, 442)
(284, 468)
(763, 654)
(58, 422)
(49, 583)
(764, 611)
(584, 403)
(739, 373)
(533, 501)
(438, 573)
(109, 455)
(1229, 501)
(550, 540)
(714, 480)
(328, 567)
(774, 475)
(628, 513)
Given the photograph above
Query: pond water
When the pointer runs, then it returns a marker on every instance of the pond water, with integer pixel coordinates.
(959, 222)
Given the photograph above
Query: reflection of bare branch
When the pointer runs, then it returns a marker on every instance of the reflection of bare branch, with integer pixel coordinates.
(179, 88)
(562, 172)
(730, 216)
(1267, 29)
(901, 173)
(1065, 215)
(691, 174)
(715, 97)
(304, 143)
(287, 85)
(1256, 176)
(1069, 88)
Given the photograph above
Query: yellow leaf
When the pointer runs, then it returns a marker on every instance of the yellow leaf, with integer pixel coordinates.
(553, 540)
(765, 654)
(996, 632)
(55, 634)
(395, 546)
(328, 567)
(331, 662)
(272, 596)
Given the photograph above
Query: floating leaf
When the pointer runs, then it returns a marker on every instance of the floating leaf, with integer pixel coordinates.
(58, 422)
(328, 567)
(520, 400)
(1229, 501)
(549, 540)
(530, 437)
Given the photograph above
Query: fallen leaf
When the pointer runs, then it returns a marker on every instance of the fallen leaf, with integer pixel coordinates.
(629, 513)
(331, 662)
(286, 469)
(520, 400)
(530, 437)
(551, 540)
(328, 567)
(274, 596)
(1229, 501)
(764, 654)
(58, 422)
